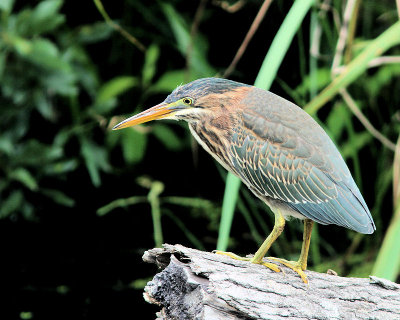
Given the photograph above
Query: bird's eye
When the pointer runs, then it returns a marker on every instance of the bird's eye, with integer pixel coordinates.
(187, 101)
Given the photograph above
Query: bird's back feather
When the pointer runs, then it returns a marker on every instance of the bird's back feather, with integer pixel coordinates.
(283, 154)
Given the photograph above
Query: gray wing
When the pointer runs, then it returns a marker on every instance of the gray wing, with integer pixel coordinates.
(281, 152)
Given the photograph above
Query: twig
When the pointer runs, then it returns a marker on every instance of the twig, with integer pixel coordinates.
(253, 28)
(363, 119)
(348, 11)
(383, 60)
(193, 31)
(231, 8)
(351, 32)
(398, 7)
(118, 28)
(153, 197)
(374, 63)
(316, 36)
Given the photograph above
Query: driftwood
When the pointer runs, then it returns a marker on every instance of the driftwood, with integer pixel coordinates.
(203, 285)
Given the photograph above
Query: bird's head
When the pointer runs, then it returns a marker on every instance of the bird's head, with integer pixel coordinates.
(191, 102)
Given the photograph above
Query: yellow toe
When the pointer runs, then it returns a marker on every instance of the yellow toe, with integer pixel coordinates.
(269, 265)
(231, 255)
(295, 266)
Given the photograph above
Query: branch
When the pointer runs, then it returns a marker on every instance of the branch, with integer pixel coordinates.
(350, 5)
(117, 27)
(253, 28)
(206, 286)
(363, 119)
(398, 7)
(193, 32)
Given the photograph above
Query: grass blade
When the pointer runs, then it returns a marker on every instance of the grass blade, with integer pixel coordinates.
(228, 208)
(387, 264)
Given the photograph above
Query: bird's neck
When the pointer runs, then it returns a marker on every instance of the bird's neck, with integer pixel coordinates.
(213, 134)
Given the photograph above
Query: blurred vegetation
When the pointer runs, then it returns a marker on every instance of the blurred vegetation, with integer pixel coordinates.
(66, 72)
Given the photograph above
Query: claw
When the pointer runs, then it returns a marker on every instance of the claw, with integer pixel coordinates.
(269, 265)
(295, 266)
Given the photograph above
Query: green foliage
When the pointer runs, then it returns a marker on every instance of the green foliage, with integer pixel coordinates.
(197, 50)
(39, 74)
(106, 96)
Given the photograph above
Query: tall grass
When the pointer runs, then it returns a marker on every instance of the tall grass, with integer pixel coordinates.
(387, 264)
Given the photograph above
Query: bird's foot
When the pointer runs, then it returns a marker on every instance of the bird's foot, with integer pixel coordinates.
(296, 266)
(269, 265)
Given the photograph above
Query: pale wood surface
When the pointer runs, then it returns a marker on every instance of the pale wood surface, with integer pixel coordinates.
(202, 285)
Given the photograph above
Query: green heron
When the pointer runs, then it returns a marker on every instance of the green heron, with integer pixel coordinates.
(280, 153)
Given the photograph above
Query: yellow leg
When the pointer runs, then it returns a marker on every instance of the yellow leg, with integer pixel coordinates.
(261, 252)
(298, 266)
(308, 225)
(276, 231)
(301, 264)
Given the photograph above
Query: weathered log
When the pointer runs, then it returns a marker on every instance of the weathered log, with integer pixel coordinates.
(203, 285)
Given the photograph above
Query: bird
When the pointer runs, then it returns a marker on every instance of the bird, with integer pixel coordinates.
(277, 150)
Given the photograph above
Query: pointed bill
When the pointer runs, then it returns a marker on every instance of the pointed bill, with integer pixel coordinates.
(159, 111)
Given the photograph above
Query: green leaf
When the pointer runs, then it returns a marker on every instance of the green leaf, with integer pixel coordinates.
(167, 136)
(43, 105)
(110, 90)
(60, 167)
(383, 76)
(133, 145)
(27, 211)
(322, 78)
(61, 83)
(358, 141)
(170, 80)
(42, 52)
(197, 49)
(35, 153)
(6, 145)
(95, 32)
(84, 70)
(25, 177)
(62, 137)
(112, 138)
(2, 63)
(96, 159)
(59, 197)
(11, 204)
(150, 63)
(336, 120)
(45, 16)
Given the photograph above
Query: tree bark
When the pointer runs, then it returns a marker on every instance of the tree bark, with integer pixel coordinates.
(203, 285)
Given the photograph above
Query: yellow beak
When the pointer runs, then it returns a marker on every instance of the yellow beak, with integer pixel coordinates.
(159, 111)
